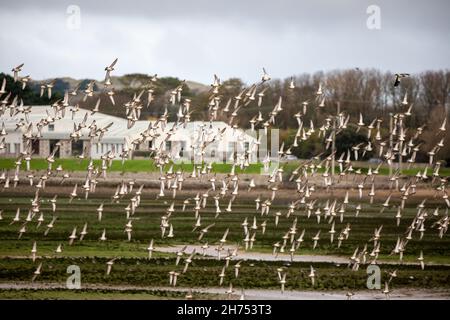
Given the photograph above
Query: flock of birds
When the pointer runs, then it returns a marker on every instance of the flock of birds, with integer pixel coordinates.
(402, 142)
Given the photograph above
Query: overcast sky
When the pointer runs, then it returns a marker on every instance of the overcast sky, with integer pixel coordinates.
(193, 39)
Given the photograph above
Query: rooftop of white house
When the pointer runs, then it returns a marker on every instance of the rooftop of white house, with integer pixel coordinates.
(62, 127)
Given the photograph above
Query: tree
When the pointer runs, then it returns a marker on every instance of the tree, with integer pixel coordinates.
(28, 95)
(348, 138)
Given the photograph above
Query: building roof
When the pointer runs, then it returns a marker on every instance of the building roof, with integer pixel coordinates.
(117, 132)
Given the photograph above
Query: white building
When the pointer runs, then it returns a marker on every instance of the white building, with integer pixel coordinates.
(182, 142)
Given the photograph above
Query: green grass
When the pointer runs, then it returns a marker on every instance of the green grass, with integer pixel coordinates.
(95, 294)
(137, 165)
(147, 220)
(133, 268)
(204, 273)
(84, 249)
(140, 165)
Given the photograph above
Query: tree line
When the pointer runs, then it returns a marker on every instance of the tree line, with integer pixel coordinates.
(369, 92)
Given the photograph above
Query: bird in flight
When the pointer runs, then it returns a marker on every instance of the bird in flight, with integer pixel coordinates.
(398, 77)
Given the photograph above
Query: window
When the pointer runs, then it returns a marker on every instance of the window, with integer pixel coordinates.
(17, 148)
(213, 153)
(246, 146)
(182, 145)
(96, 148)
(77, 147)
(168, 145)
(53, 146)
(8, 147)
(230, 147)
(35, 146)
(51, 127)
(103, 146)
(150, 144)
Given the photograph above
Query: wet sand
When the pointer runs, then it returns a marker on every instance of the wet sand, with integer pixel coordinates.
(255, 294)
(212, 252)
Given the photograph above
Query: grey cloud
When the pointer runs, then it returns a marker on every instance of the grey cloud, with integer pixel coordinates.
(194, 39)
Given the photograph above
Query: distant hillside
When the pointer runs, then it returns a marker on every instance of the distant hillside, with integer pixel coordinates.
(124, 86)
(126, 82)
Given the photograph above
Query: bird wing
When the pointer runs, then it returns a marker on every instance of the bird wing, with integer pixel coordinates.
(114, 63)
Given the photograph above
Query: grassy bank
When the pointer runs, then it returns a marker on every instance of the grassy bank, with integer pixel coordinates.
(141, 165)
